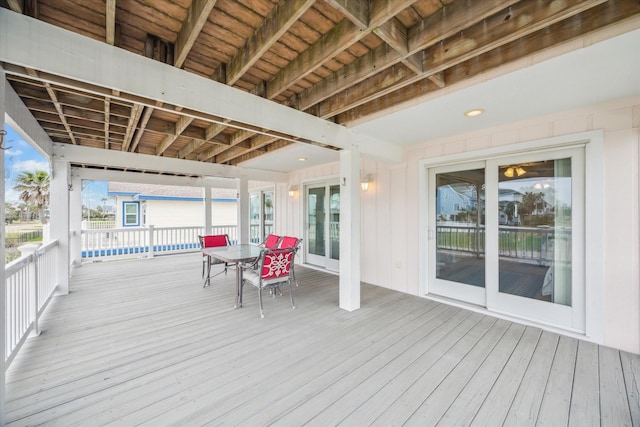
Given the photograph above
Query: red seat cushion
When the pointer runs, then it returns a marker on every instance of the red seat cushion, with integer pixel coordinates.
(215, 240)
(271, 241)
(289, 242)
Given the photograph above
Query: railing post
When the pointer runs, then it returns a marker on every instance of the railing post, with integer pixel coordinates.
(31, 250)
(150, 241)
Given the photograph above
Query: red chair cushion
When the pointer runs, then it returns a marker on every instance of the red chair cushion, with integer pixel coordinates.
(215, 240)
(271, 241)
(276, 265)
(289, 242)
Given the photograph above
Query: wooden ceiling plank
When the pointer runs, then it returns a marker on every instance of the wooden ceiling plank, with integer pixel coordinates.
(106, 122)
(211, 152)
(54, 99)
(329, 45)
(382, 57)
(382, 10)
(141, 128)
(519, 21)
(576, 26)
(16, 5)
(111, 21)
(193, 145)
(394, 33)
(278, 22)
(232, 153)
(215, 129)
(340, 37)
(524, 18)
(134, 118)
(196, 18)
(359, 70)
(451, 20)
(180, 126)
(357, 11)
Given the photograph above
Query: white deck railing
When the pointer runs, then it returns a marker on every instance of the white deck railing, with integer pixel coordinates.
(30, 284)
(146, 242)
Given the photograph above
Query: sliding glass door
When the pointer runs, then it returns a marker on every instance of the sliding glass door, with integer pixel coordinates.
(508, 234)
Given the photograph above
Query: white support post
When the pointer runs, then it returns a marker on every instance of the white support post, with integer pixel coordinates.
(75, 221)
(243, 210)
(350, 230)
(207, 209)
(61, 171)
(3, 283)
(150, 242)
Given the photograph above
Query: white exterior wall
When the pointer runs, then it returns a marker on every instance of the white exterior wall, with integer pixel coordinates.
(174, 213)
(180, 213)
(390, 208)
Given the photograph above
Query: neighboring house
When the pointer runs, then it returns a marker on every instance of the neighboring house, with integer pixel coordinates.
(167, 206)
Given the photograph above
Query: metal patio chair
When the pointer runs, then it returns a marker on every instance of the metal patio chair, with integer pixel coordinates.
(273, 271)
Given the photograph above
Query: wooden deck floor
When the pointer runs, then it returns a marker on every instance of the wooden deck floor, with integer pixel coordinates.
(142, 343)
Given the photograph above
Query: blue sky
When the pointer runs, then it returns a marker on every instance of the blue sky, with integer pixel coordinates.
(23, 157)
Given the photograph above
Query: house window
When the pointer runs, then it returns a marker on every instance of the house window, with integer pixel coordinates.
(131, 214)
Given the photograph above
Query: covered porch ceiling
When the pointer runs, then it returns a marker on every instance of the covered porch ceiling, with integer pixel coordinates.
(389, 69)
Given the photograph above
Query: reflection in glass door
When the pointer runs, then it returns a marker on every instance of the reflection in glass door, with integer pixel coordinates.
(323, 226)
(535, 231)
(260, 215)
(458, 232)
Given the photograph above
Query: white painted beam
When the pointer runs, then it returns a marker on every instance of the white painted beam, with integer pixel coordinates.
(22, 121)
(148, 178)
(119, 159)
(27, 42)
(350, 230)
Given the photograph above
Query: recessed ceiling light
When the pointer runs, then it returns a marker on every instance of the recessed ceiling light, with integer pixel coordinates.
(302, 159)
(473, 113)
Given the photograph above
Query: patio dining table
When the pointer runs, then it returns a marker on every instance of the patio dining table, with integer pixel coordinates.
(234, 254)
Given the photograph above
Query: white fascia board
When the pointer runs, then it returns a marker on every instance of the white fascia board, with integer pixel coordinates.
(101, 157)
(148, 178)
(27, 42)
(18, 116)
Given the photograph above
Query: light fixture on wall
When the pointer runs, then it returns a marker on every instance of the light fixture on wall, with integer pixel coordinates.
(293, 190)
(514, 170)
(364, 182)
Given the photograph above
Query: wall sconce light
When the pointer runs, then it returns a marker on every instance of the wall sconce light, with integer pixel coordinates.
(364, 182)
(293, 190)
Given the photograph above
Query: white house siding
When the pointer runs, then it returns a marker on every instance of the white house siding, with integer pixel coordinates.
(174, 213)
(181, 213)
(390, 209)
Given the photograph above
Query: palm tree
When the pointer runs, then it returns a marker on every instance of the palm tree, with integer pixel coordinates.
(34, 190)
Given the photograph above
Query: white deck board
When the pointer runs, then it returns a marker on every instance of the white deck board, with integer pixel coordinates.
(142, 343)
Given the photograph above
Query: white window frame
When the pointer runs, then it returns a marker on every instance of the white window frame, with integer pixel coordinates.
(125, 214)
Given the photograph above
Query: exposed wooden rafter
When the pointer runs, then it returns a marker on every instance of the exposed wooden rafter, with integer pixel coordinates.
(339, 60)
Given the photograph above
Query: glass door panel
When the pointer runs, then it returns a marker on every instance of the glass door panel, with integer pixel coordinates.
(254, 218)
(334, 222)
(316, 221)
(535, 230)
(539, 203)
(457, 232)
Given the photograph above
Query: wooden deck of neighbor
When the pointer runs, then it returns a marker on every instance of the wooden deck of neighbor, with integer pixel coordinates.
(142, 343)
